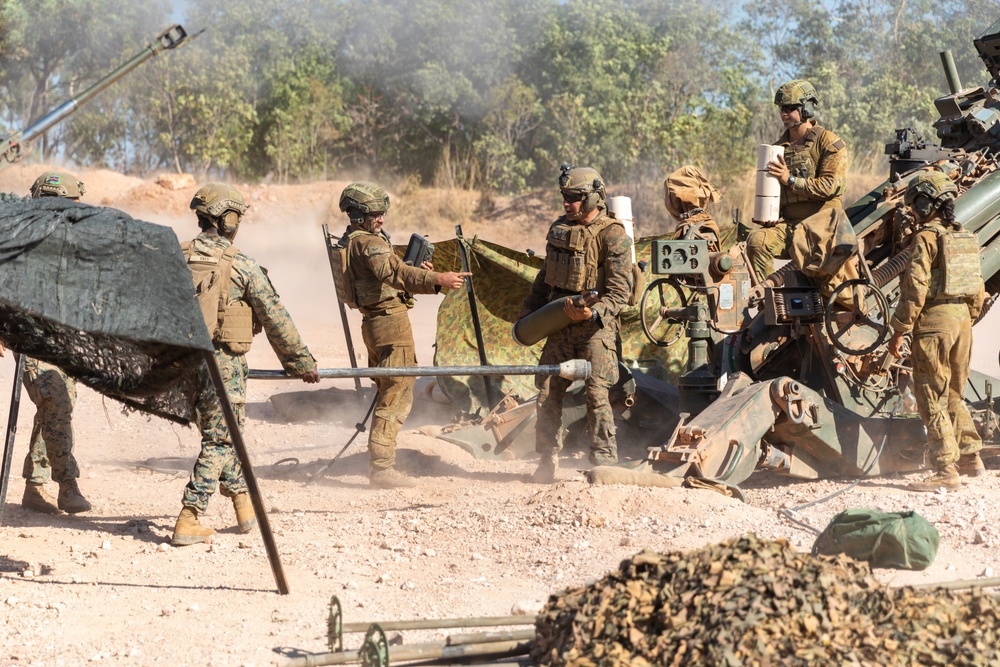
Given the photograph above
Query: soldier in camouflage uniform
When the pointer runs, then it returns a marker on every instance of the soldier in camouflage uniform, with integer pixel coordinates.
(586, 249)
(941, 293)
(50, 454)
(241, 305)
(377, 282)
(812, 173)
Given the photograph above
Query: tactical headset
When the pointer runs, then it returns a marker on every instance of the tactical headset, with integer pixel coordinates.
(592, 198)
(928, 192)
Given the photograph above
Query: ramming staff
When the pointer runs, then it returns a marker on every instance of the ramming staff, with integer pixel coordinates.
(429, 651)
(575, 369)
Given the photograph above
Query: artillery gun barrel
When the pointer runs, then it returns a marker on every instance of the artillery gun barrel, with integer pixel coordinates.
(575, 369)
(950, 71)
(170, 38)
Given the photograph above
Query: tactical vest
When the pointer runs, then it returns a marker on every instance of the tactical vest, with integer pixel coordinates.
(368, 289)
(803, 162)
(229, 323)
(572, 263)
(957, 273)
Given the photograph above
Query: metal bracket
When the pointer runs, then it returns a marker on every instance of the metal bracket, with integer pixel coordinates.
(335, 626)
(375, 651)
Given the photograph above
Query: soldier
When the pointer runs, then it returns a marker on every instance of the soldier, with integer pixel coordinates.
(242, 303)
(811, 171)
(686, 193)
(586, 249)
(941, 293)
(50, 455)
(377, 282)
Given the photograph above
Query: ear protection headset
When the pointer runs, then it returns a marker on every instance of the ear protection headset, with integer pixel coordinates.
(229, 222)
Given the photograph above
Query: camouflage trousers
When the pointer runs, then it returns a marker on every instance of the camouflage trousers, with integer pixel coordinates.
(217, 462)
(598, 345)
(766, 243)
(389, 340)
(942, 344)
(50, 453)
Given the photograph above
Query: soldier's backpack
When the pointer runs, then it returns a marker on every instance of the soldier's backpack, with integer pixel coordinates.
(961, 272)
(232, 324)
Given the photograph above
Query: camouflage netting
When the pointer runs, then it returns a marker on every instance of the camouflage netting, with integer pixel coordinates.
(750, 601)
(502, 279)
(107, 298)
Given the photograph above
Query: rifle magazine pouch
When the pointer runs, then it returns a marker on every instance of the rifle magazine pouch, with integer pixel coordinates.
(566, 263)
(898, 540)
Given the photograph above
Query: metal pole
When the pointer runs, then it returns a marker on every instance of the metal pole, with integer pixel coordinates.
(443, 623)
(950, 71)
(492, 393)
(494, 650)
(343, 311)
(241, 452)
(8, 445)
(576, 369)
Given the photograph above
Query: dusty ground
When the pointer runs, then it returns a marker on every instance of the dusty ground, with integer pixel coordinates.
(475, 538)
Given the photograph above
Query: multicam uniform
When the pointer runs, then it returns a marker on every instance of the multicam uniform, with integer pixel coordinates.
(382, 286)
(819, 165)
(50, 454)
(579, 257)
(249, 284)
(942, 344)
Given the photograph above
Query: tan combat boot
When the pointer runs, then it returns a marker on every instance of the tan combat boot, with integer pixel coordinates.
(37, 498)
(971, 465)
(246, 519)
(389, 478)
(546, 471)
(946, 478)
(71, 500)
(187, 530)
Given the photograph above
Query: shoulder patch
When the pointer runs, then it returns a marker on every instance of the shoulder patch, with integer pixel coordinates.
(374, 250)
(838, 145)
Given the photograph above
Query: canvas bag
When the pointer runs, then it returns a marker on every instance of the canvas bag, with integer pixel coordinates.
(900, 540)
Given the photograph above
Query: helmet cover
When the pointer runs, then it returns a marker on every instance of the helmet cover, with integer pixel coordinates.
(57, 184)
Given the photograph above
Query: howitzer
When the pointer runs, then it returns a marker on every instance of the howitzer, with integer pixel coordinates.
(16, 145)
(785, 377)
(418, 250)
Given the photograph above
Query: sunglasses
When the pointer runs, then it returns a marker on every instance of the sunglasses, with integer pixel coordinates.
(573, 197)
(789, 108)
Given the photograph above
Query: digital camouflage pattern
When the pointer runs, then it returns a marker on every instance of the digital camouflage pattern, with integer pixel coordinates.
(941, 348)
(217, 462)
(502, 278)
(50, 452)
(819, 166)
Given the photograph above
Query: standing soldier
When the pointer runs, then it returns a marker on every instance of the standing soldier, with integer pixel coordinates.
(941, 293)
(374, 280)
(812, 173)
(53, 392)
(238, 300)
(586, 249)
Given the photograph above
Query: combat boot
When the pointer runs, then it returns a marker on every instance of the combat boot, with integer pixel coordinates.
(945, 478)
(37, 498)
(971, 465)
(546, 471)
(389, 478)
(603, 458)
(246, 519)
(71, 500)
(187, 530)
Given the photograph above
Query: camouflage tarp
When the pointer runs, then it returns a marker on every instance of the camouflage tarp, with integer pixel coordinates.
(502, 278)
(107, 298)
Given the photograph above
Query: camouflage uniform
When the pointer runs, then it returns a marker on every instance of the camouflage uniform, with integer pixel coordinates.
(50, 454)
(384, 285)
(596, 341)
(819, 165)
(217, 463)
(942, 344)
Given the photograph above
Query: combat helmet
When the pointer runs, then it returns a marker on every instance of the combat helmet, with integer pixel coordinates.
(583, 181)
(221, 206)
(57, 184)
(362, 199)
(800, 93)
(929, 191)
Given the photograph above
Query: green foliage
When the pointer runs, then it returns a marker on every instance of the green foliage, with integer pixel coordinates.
(489, 93)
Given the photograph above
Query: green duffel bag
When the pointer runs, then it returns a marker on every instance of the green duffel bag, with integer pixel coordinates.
(900, 540)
